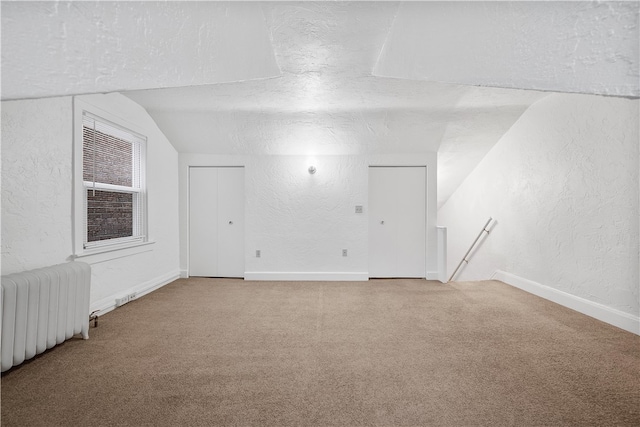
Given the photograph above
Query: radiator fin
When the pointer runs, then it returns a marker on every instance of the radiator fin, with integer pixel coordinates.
(42, 308)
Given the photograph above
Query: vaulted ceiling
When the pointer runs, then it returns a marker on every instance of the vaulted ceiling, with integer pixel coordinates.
(325, 77)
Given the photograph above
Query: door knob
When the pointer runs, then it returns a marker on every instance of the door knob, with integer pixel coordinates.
(230, 222)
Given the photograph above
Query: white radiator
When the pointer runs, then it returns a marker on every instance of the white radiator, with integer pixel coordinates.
(42, 308)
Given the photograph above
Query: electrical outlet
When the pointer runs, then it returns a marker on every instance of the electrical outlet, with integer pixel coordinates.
(125, 299)
(344, 252)
(358, 208)
(257, 253)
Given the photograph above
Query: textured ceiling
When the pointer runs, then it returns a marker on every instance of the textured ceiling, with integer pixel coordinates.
(325, 77)
(565, 46)
(52, 48)
(328, 102)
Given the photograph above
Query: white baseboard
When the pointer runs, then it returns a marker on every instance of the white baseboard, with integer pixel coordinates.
(609, 315)
(184, 274)
(304, 276)
(107, 304)
(433, 275)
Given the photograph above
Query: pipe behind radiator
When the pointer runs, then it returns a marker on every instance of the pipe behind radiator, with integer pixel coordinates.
(42, 308)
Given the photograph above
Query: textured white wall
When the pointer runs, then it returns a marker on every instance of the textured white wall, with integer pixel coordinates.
(301, 222)
(563, 186)
(36, 183)
(37, 223)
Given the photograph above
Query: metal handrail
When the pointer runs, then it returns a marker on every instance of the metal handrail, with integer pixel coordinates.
(464, 258)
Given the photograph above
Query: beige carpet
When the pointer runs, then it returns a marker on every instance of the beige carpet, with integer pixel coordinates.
(205, 352)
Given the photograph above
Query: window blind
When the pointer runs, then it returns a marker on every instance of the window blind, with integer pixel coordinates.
(113, 175)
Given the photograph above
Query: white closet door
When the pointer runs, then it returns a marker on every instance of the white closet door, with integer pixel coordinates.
(382, 223)
(216, 221)
(203, 226)
(411, 232)
(231, 222)
(397, 222)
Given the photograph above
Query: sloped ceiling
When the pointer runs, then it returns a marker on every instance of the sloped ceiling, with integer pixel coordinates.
(564, 46)
(68, 48)
(325, 77)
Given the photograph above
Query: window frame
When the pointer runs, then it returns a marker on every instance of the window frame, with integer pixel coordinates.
(117, 247)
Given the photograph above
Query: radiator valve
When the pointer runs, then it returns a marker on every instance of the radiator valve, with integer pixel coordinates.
(94, 316)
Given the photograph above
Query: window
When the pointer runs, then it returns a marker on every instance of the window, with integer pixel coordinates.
(114, 197)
